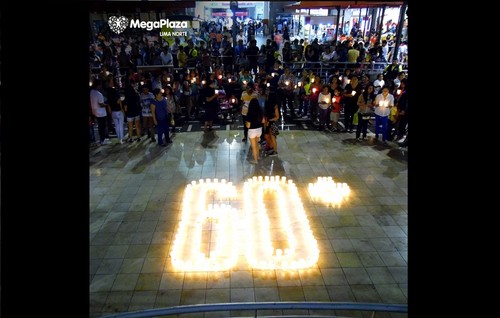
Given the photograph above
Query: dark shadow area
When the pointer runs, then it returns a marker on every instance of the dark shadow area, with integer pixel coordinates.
(209, 139)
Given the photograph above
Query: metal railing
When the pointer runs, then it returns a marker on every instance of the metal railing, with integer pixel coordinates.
(285, 305)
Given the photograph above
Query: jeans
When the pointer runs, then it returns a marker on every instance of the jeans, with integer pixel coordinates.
(381, 126)
(118, 122)
(101, 125)
(163, 129)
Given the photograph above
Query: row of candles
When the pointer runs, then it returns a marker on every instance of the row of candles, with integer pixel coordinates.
(245, 232)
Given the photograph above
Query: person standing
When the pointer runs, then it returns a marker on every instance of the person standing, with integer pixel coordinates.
(211, 105)
(383, 104)
(254, 122)
(161, 117)
(350, 98)
(324, 102)
(365, 103)
(246, 97)
(99, 110)
(116, 107)
(132, 106)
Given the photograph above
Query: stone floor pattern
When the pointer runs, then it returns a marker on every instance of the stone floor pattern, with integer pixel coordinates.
(135, 207)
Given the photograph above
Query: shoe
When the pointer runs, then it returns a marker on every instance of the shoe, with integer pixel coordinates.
(131, 140)
(244, 140)
(254, 162)
(273, 154)
(305, 117)
(360, 139)
(169, 141)
(162, 145)
(105, 142)
(121, 141)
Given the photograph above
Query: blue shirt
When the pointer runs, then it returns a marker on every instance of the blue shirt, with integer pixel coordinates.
(161, 109)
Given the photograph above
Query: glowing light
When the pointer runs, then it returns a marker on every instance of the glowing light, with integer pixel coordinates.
(299, 84)
(142, 83)
(246, 232)
(268, 84)
(233, 100)
(162, 91)
(353, 93)
(398, 91)
(287, 83)
(90, 83)
(327, 191)
(216, 91)
(168, 79)
(300, 241)
(220, 76)
(229, 80)
(273, 74)
(314, 90)
(244, 82)
(187, 252)
(122, 98)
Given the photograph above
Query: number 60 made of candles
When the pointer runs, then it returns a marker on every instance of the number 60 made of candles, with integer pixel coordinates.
(212, 235)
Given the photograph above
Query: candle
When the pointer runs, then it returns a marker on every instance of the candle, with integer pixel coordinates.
(244, 82)
(353, 93)
(216, 91)
(398, 91)
(90, 83)
(340, 77)
(229, 80)
(233, 100)
(268, 84)
(287, 82)
(328, 101)
(314, 90)
(220, 76)
(203, 82)
(348, 81)
(168, 79)
(312, 81)
(299, 84)
(273, 74)
(162, 91)
(122, 98)
(142, 83)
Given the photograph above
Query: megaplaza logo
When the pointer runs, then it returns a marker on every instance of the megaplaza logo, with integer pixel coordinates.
(117, 24)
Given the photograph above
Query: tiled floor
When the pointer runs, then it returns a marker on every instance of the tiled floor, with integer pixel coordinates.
(135, 204)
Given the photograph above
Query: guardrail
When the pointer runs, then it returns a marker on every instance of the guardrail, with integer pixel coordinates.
(286, 305)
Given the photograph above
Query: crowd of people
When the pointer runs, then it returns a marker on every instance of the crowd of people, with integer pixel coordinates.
(195, 77)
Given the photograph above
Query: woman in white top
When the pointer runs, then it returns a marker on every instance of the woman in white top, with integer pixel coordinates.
(324, 102)
(383, 104)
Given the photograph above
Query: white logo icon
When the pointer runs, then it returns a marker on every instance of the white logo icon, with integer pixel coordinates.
(117, 24)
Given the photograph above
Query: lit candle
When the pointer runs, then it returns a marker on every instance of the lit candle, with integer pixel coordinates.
(299, 84)
(90, 83)
(122, 98)
(142, 83)
(244, 82)
(220, 76)
(340, 77)
(268, 84)
(203, 82)
(348, 81)
(229, 80)
(287, 82)
(216, 91)
(168, 79)
(328, 101)
(314, 90)
(162, 91)
(312, 81)
(353, 93)
(233, 100)
(273, 74)
(107, 73)
(398, 91)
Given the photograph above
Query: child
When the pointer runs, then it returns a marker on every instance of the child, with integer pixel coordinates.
(335, 114)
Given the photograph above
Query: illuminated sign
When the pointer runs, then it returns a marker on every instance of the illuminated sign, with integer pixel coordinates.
(319, 12)
(212, 234)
